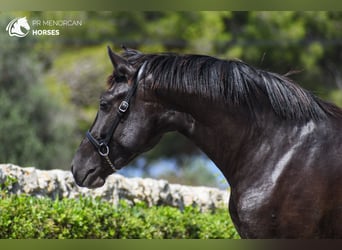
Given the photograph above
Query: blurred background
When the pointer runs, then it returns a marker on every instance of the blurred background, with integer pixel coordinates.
(50, 85)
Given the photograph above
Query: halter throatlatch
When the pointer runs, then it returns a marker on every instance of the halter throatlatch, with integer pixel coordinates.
(102, 145)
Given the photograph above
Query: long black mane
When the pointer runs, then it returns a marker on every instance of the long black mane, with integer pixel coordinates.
(232, 82)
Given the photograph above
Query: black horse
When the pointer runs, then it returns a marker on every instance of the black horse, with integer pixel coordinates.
(279, 146)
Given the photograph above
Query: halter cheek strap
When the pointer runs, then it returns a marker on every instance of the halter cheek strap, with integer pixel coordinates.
(102, 145)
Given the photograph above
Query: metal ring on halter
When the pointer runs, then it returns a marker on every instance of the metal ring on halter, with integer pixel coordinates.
(105, 155)
(103, 146)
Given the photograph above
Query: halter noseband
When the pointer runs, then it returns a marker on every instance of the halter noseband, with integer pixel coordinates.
(102, 144)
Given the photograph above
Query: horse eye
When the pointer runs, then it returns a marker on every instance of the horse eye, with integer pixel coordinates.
(120, 78)
(103, 105)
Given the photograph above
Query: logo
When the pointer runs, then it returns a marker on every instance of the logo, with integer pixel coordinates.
(21, 27)
(18, 27)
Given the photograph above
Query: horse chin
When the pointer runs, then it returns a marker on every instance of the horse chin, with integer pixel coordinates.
(124, 160)
(121, 163)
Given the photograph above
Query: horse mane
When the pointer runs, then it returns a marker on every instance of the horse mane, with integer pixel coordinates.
(232, 82)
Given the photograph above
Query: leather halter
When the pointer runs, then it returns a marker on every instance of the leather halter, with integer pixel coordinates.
(102, 145)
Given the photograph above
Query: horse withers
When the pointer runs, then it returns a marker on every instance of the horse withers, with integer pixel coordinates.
(279, 146)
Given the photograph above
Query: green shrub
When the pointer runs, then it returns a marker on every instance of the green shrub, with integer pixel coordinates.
(23, 217)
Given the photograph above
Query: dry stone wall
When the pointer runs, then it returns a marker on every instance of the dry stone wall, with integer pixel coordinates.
(60, 184)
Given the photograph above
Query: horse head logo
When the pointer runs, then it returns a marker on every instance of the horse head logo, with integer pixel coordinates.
(18, 27)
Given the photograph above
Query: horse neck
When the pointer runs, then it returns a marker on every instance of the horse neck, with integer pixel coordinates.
(218, 131)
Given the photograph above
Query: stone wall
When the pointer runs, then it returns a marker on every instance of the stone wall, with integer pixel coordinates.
(59, 183)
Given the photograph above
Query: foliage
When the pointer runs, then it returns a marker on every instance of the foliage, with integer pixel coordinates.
(33, 124)
(24, 217)
(81, 82)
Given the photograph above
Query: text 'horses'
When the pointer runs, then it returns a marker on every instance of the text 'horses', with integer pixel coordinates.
(279, 146)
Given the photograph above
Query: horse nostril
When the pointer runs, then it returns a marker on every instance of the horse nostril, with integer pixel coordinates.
(91, 171)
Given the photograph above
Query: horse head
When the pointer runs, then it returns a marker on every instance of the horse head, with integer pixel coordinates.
(129, 121)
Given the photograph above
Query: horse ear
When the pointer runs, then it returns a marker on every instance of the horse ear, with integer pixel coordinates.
(120, 64)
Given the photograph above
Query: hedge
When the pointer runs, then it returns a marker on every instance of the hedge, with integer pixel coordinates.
(26, 217)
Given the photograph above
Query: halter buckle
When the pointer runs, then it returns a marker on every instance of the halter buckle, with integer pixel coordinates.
(123, 106)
